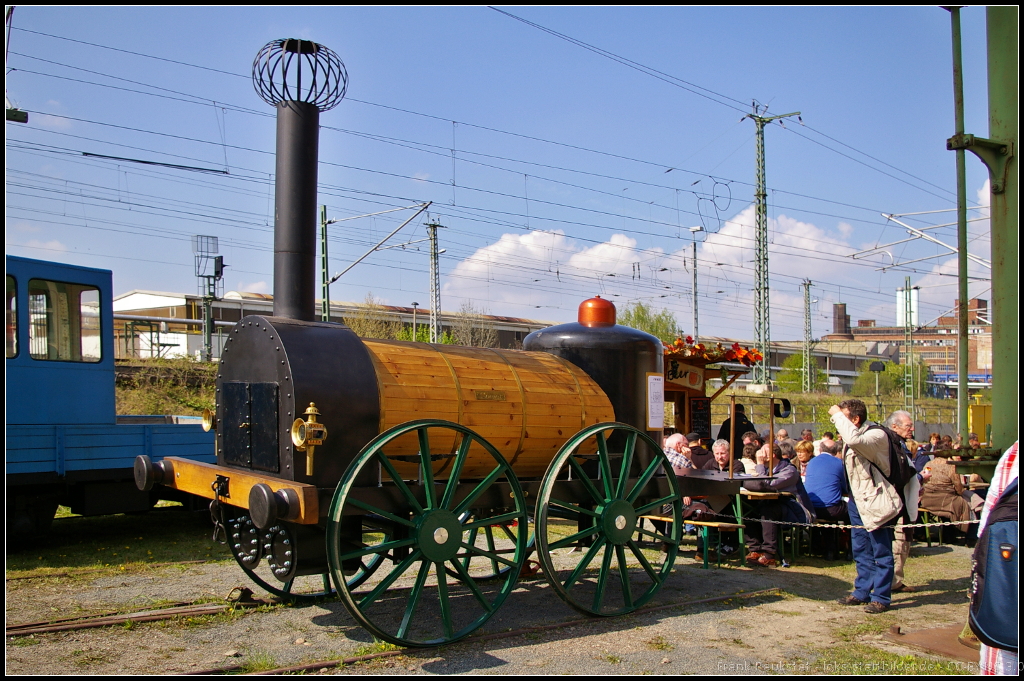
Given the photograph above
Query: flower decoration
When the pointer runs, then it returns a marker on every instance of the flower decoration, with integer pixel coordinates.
(688, 350)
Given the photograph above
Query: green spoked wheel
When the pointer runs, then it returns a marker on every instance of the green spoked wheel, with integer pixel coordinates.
(495, 540)
(588, 512)
(272, 559)
(413, 599)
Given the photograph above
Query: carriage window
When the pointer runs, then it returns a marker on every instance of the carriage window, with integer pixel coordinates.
(63, 321)
(12, 317)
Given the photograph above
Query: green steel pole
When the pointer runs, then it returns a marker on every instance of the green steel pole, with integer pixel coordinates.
(961, 230)
(1003, 110)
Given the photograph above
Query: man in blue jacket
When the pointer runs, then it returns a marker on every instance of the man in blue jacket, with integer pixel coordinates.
(825, 481)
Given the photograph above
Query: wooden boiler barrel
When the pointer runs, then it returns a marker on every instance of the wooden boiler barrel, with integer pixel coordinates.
(526, 404)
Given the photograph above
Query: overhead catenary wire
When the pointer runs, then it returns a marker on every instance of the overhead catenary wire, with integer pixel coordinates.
(484, 209)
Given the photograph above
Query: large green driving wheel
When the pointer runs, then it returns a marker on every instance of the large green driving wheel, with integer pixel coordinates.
(588, 513)
(413, 599)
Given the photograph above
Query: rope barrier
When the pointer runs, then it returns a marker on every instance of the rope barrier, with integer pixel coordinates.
(944, 523)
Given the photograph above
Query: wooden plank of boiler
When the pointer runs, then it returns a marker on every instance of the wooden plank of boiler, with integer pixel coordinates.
(492, 407)
(419, 378)
(418, 392)
(413, 406)
(474, 421)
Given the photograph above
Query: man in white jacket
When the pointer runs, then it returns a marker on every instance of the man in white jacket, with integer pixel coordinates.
(874, 504)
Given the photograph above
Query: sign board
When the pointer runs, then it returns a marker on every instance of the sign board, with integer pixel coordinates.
(681, 376)
(655, 402)
(700, 416)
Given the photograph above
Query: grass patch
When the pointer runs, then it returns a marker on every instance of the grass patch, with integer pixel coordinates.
(226, 617)
(258, 661)
(613, 659)
(375, 647)
(84, 658)
(166, 386)
(116, 544)
(23, 641)
(874, 626)
(858, 658)
(659, 643)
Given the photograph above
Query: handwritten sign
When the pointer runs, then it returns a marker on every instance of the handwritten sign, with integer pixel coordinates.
(680, 376)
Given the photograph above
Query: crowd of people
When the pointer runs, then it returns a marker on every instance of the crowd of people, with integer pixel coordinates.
(849, 476)
(836, 479)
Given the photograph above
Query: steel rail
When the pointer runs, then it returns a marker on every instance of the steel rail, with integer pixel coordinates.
(329, 664)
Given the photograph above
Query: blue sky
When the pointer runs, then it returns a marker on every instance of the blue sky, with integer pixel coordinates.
(573, 174)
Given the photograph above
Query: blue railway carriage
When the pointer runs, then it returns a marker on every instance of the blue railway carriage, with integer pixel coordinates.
(64, 442)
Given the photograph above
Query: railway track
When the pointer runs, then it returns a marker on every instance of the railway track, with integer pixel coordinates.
(114, 618)
(330, 664)
(75, 573)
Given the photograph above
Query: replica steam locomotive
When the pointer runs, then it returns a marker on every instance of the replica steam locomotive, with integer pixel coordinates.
(415, 479)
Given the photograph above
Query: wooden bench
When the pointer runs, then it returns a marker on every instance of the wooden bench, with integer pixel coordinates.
(705, 527)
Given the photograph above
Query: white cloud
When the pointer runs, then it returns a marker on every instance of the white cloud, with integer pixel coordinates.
(254, 287)
(22, 226)
(52, 245)
(528, 270)
(421, 177)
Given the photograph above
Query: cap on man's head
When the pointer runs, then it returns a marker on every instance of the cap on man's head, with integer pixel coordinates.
(693, 437)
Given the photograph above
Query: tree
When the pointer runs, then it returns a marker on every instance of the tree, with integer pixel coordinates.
(890, 381)
(472, 327)
(423, 335)
(640, 316)
(791, 378)
(371, 320)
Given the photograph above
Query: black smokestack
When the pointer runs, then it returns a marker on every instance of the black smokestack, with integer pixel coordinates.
(300, 79)
(295, 237)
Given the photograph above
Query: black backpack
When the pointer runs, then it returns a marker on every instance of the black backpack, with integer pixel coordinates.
(901, 468)
(993, 614)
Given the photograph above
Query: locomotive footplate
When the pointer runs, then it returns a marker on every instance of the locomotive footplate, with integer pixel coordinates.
(292, 501)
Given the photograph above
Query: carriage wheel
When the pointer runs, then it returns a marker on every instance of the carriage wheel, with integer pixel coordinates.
(482, 567)
(263, 566)
(412, 600)
(587, 517)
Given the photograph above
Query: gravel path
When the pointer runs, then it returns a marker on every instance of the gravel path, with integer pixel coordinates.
(799, 630)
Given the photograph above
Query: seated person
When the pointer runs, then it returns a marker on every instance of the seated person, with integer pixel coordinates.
(698, 455)
(973, 442)
(944, 495)
(763, 538)
(678, 453)
(804, 453)
(933, 441)
(719, 457)
(834, 449)
(787, 450)
(826, 484)
(825, 441)
(720, 503)
(750, 437)
(749, 458)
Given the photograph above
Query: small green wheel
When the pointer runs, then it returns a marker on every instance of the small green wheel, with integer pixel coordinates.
(412, 599)
(273, 558)
(588, 510)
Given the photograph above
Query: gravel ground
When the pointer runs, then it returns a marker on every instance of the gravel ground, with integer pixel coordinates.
(799, 630)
